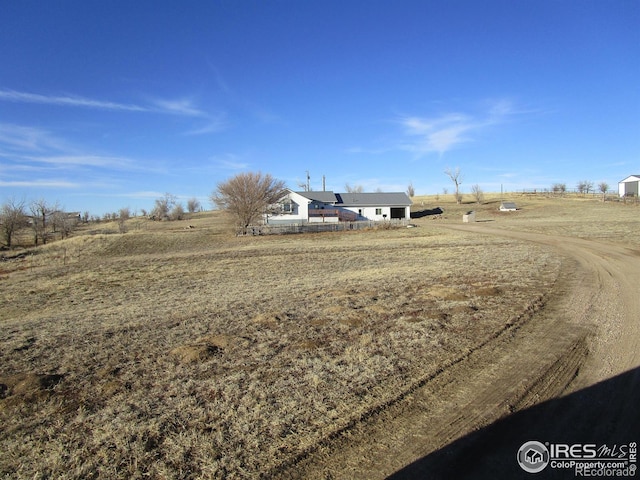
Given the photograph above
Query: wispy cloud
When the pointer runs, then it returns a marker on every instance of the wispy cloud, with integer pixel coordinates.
(217, 124)
(67, 101)
(183, 107)
(438, 134)
(32, 157)
(110, 162)
(31, 139)
(368, 151)
(31, 145)
(39, 183)
(442, 133)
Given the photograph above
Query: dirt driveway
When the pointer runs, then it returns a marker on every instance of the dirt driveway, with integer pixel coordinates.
(568, 373)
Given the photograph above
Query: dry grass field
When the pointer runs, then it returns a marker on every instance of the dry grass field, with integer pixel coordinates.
(168, 352)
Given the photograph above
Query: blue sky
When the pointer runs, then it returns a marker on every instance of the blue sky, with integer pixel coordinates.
(105, 105)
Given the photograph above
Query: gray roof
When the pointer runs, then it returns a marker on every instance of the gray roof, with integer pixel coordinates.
(325, 197)
(508, 205)
(374, 199)
(378, 199)
(627, 179)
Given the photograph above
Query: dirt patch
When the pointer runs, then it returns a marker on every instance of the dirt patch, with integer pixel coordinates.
(272, 319)
(335, 310)
(487, 291)
(195, 353)
(26, 344)
(207, 347)
(351, 321)
(464, 309)
(223, 342)
(310, 344)
(28, 386)
(447, 293)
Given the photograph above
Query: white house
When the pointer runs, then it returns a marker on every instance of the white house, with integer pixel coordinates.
(303, 207)
(629, 186)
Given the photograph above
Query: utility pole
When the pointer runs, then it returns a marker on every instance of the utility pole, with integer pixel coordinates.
(324, 185)
(308, 182)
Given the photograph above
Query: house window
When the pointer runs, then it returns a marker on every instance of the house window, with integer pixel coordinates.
(286, 208)
(378, 211)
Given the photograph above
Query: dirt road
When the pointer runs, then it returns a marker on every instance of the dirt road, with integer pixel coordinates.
(569, 372)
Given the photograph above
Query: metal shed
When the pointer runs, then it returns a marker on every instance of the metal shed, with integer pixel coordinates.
(630, 186)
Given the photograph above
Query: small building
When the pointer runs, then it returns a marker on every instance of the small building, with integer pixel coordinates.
(314, 207)
(630, 186)
(469, 217)
(508, 207)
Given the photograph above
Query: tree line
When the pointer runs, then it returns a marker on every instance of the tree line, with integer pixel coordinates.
(47, 220)
(583, 187)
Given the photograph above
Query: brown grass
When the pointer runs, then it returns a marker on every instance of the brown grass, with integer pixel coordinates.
(174, 353)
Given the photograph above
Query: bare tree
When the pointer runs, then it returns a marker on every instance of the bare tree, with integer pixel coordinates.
(63, 223)
(456, 178)
(193, 205)
(163, 207)
(559, 188)
(584, 186)
(122, 225)
(477, 192)
(588, 186)
(41, 213)
(411, 191)
(603, 187)
(247, 196)
(12, 218)
(177, 212)
(353, 189)
(124, 213)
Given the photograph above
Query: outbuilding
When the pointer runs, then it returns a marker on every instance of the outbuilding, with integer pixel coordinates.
(629, 187)
(508, 207)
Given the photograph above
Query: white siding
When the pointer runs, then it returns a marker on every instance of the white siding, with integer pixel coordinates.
(299, 214)
(323, 220)
(302, 205)
(370, 213)
(630, 185)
